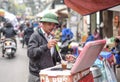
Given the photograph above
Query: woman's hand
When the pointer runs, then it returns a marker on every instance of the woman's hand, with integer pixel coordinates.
(70, 58)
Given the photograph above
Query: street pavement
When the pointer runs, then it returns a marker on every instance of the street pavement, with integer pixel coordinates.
(15, 69)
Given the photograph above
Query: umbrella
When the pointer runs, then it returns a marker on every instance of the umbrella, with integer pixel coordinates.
(9, 17)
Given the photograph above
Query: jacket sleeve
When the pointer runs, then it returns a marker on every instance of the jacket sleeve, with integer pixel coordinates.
(35, 48)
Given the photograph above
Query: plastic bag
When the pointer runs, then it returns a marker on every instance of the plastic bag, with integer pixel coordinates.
(109, 72)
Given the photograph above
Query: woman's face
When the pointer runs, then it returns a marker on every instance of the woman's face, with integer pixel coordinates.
(48, 27)
(115, 43)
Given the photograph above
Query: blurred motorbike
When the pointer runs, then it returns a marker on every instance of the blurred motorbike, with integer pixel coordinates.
(9, 47)
(21, 36)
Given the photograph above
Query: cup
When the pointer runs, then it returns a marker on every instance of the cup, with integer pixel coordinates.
(64, 64)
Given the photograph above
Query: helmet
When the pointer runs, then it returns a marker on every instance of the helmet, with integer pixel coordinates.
(50, 17)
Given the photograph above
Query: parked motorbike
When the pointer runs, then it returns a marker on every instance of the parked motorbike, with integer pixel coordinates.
(9, 47)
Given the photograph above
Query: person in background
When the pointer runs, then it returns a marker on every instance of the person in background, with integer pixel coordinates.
(9, 32)
(58, 33)
(27, 33)
(89, 38)
(116, 51)
(21, 30)
(96, 35)
(107, 48)
(22, 26)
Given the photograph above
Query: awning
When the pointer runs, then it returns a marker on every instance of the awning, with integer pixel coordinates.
(85, 7)
(59, 11)
(62, 11)
(116, 8)
(41, 14)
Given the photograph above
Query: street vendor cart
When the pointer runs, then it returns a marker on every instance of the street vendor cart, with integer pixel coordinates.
(78, 71)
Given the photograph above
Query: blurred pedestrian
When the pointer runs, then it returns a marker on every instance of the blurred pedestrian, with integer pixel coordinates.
(89, 38)
(58, 33)
(9, 31)
(27, 33)
(22, 26)
(96, 35)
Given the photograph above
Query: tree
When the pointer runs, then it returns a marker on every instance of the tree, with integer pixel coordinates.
(15, 8)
